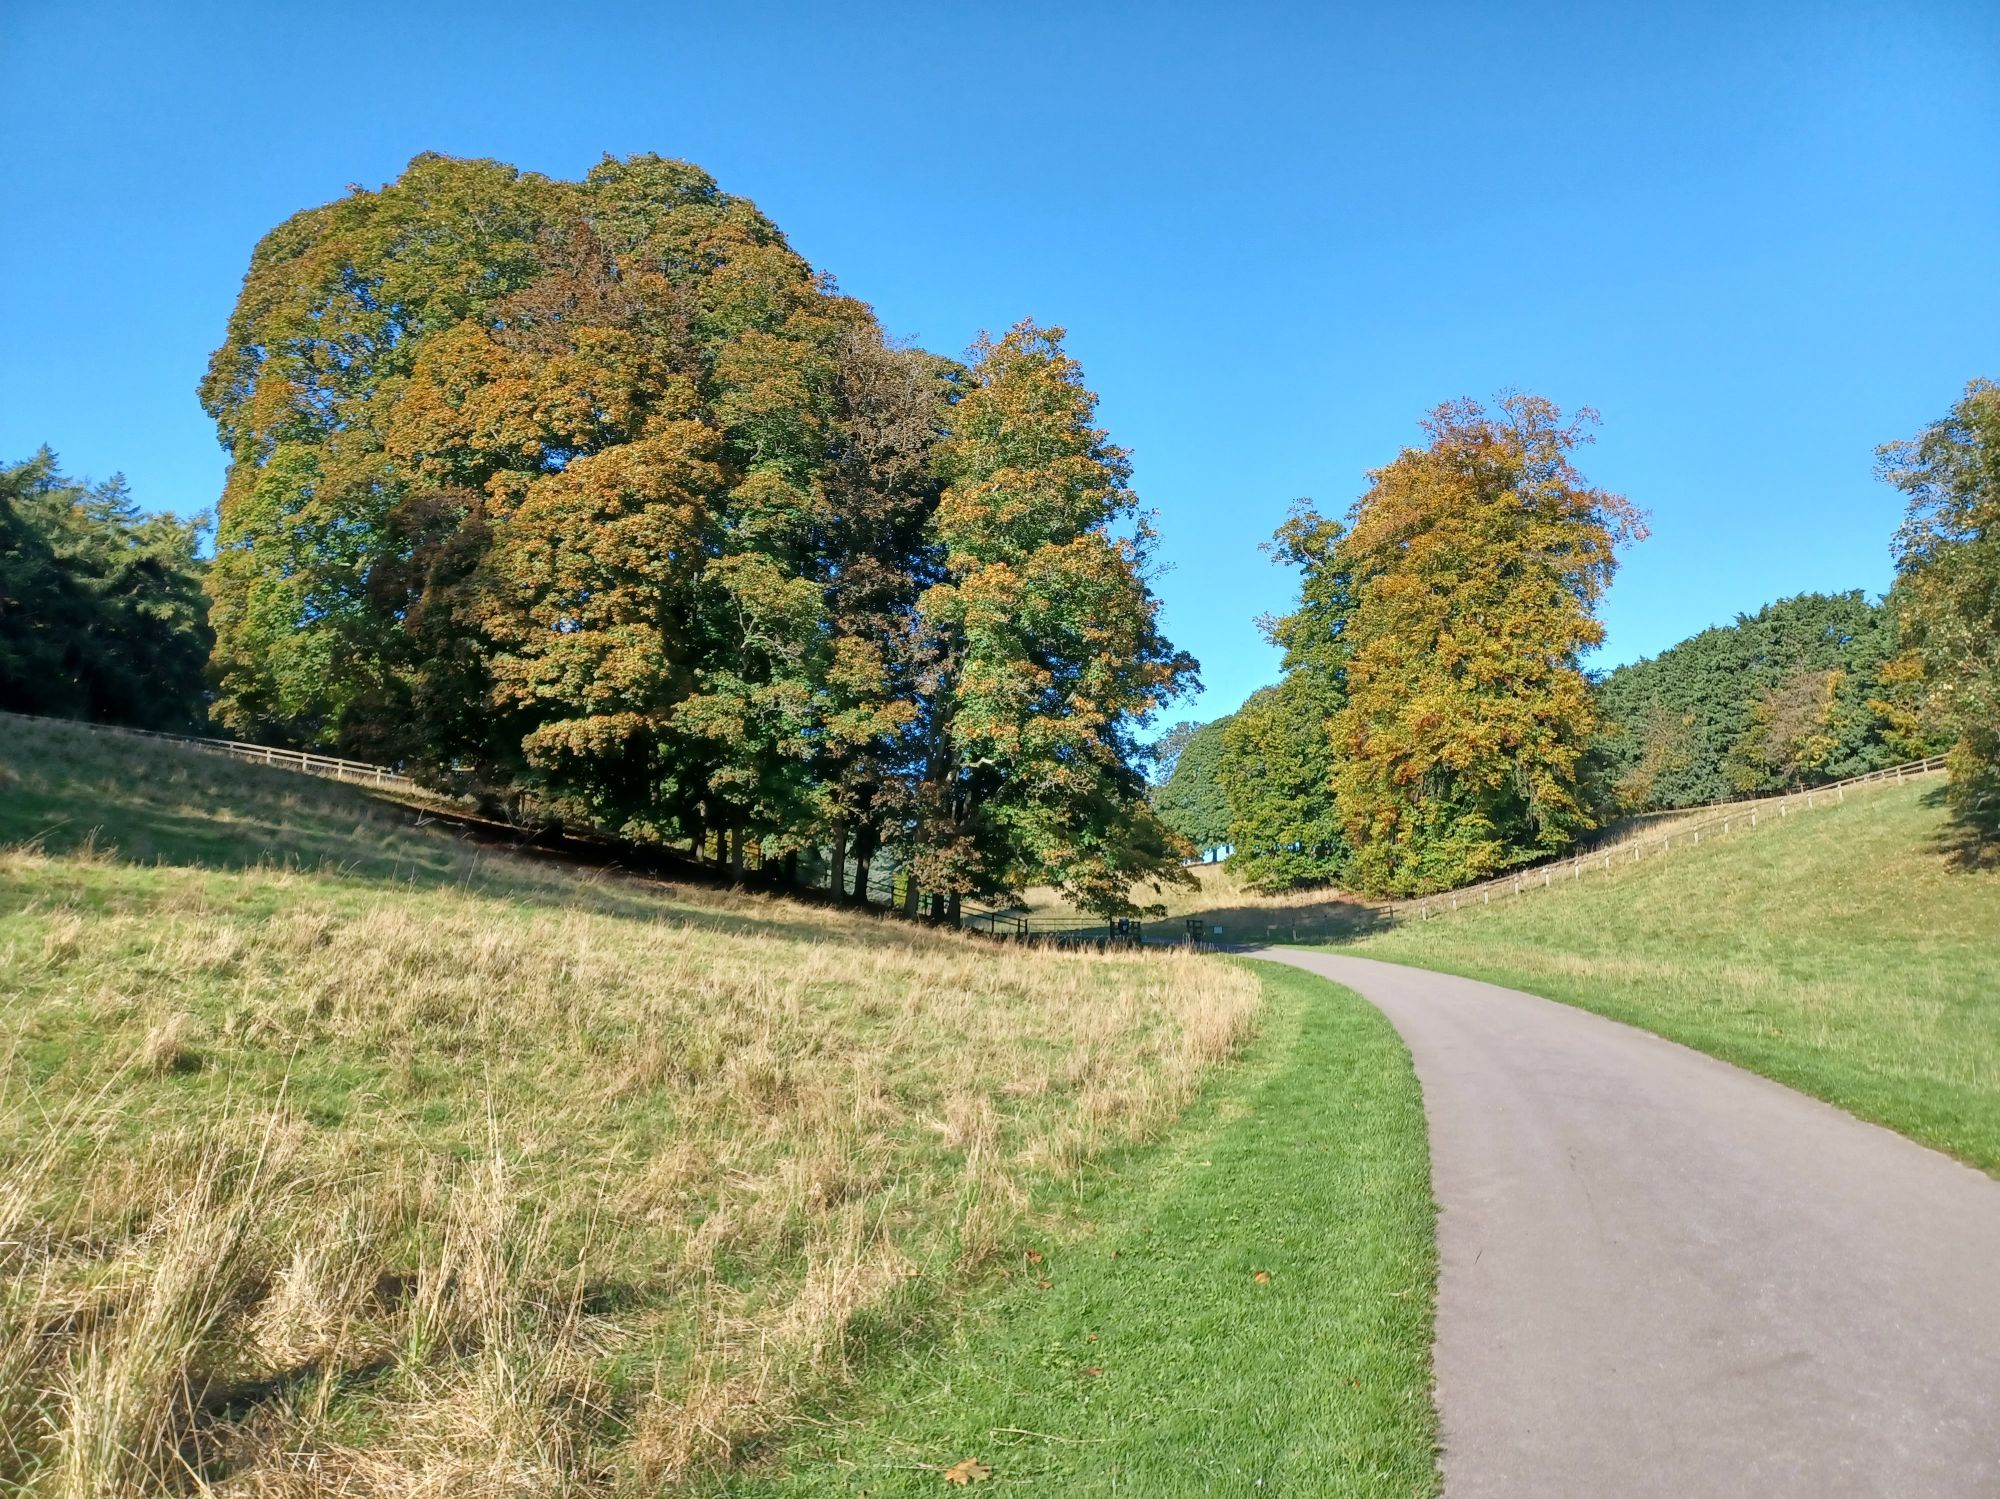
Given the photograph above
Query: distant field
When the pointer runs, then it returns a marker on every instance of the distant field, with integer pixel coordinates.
(339, 1157)
(1846, 952)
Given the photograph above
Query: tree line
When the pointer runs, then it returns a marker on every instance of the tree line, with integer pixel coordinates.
(595, 500)
(1434, 723)
(102, 614)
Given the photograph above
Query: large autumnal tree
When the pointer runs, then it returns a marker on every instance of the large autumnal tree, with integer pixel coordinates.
(1474, 564)
(597, 497)
(1948, 590)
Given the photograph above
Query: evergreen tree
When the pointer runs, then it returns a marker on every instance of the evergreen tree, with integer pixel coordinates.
(101, 611)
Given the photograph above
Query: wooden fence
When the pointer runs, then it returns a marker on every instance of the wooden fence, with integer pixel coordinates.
(330, 766)
(1716, 820)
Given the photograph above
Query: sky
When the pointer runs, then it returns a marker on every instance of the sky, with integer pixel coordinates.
(1759, 240)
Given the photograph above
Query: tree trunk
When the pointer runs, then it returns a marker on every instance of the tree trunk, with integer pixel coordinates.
(861, 880)
(909, 896)
(836, 879)
(952, 910)
(736, 856)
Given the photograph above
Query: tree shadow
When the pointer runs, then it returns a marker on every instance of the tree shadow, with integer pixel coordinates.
(1967, 843)
(65, 790)
(1339, 918)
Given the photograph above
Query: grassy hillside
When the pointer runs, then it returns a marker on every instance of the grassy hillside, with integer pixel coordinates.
(1847, 952)
(339, 1157)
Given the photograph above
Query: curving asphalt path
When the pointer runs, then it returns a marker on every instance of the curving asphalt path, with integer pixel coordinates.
(1662, 1275)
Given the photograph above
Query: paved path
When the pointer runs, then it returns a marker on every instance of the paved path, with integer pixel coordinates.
(1662, 1275)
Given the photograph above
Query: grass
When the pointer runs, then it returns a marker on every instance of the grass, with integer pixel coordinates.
(1847, 952)
(340, 1157)
(1249, 1312)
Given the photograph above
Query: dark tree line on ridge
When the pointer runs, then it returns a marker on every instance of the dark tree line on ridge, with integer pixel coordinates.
(102, 614)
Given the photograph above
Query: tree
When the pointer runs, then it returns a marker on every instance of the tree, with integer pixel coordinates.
(1948, 590)
(1165, 751)
(1047, 653)
(1193, 802)
(1277, 767)
(594, 498)
(101, 611)
(1277, 771)
(1474, 564)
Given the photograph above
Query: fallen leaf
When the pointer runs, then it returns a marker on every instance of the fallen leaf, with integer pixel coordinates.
(1093, 1371)
(1262, 1277)
(1034, 1256)
(970, 1470)
(1092, 1338)
(1045, 1284)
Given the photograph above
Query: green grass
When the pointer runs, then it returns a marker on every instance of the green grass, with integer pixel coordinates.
(1846, 952)
(430, 1170)
(1146, 1357)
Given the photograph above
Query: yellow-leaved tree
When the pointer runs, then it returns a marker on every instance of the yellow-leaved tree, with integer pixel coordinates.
(1474, 564)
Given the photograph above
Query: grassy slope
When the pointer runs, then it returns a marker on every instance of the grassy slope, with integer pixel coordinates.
(1842, 952)
(1146, 1357)
(430, 1171)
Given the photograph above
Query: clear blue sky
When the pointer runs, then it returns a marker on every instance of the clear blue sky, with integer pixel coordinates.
(1760, 239)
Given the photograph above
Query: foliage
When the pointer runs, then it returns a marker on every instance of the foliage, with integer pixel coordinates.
(1795, 694)
(1192, 802)
(101, 610)
(1165, 752)
(596, 495)
(1948, 592)
(1277, 770)
(1277, 764)
(1474, 565)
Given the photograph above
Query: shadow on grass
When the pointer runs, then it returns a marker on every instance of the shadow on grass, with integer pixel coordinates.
(65, 790)
(1965, 841)
(1339, 918)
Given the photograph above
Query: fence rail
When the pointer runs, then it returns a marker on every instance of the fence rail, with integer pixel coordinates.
(1721, 818)
(330, 766)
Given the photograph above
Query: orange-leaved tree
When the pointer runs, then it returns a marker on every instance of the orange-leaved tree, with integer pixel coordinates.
(1475, 564)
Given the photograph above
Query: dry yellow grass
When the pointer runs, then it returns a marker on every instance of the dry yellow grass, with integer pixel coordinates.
(416, 1172)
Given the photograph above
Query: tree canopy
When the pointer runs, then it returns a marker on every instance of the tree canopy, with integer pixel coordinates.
(1474, 565)
(1948, 590)
(1192, 801)
(1792, 695)
(102, 614)
(596, 495)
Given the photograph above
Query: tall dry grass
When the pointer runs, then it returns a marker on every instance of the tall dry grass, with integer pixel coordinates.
(314, 1182)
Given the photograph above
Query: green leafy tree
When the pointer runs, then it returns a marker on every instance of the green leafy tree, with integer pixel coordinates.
(102, 615)
(1047, 649)
(1277, 768)
(1794, 694)
(1948, 590)
(1193, 802)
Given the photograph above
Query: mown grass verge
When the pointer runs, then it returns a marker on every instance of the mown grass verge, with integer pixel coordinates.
(1847, 952)
(1249, 1311)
